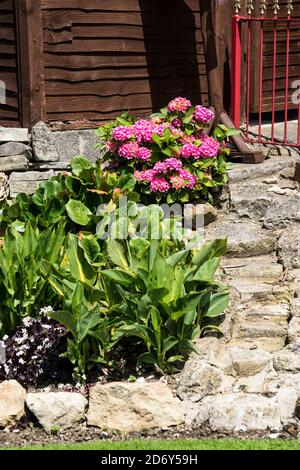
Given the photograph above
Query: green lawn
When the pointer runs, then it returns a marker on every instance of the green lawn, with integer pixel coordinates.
(183, 444)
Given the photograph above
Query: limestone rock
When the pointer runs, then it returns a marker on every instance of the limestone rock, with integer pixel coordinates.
(244, 239)
(215, 352)
(12, 403)
(260, 267)
(294, 330)
(63, 409)
(10, 134)
(14, 148)
(257, 383)
(235, 412)
(133, 407)
(267, 329)
(249, 290)
(269, 344)
(267, 168)
(287, 398)
(295, 308)
(210, 213)
(198, 380)
(251, 200)
(27, 182)
(247, 362)
(4, 188)
(289, 247)
(275, 312)
(283, 212)
(44, 147)
(62, 146)
(14, 163)
(288, 359)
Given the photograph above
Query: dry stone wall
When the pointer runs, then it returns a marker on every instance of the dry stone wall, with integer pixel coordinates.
(28, 159)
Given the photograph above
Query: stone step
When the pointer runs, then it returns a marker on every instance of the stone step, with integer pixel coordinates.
(245, 239)
(249, 362)
(271, 166)
(260, 267)
(265, 343)
(263, 329)
(263, 291)
(251, 200)
(276, 313)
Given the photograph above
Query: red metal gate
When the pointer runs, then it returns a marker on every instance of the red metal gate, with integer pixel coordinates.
(255, 26)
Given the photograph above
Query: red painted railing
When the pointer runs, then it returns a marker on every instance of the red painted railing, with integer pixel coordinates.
(251, 50)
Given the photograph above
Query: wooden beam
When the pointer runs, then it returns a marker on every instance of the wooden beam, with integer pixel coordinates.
(30, 61)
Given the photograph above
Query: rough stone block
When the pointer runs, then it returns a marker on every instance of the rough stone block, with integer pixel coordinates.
(14, 148)
(10, 134)
(27, 182)
(14, 163)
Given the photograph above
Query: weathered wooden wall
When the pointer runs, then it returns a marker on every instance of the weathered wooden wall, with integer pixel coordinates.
(102, 57)
(9, 113)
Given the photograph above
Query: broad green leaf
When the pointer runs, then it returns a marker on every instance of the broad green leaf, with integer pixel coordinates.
(121, 277)
(207, 270)
(218, 303)
(78, 212)
(66, 319)
(78, 164)
(169, 343)
(79, 266)
(117, 254)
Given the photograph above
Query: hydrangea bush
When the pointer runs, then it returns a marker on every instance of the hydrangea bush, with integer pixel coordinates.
(171, 155)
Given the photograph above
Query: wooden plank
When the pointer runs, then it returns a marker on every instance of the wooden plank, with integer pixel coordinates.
(59, 18)
(91, 74)
(119, 5)
(121, 87)
(79, 45)
(30, 46)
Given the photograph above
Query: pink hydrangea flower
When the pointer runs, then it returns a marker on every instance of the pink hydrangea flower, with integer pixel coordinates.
(129, 150)
(179, 105)
(203, 114)
(146, 175)
(188, 139)
(177, 182)
(144, 154)
(190, 180)
(144, 130)
(170, 164)
(177, 122)
(160, 185)
(190, 150)
(210, 148)
(122, 133)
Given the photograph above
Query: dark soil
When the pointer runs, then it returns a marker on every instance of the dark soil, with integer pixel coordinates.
(19, 438)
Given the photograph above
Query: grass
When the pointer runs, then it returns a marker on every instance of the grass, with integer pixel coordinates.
(182, 444)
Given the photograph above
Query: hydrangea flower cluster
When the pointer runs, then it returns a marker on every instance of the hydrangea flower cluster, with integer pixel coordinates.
(179, 105)
(143, 141)
(166, 175)
(203, 115)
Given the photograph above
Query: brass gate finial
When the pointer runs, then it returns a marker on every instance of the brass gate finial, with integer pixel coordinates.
(263, 7)
(276, 7)
(289, 6)
(249, 7)
(237, 6)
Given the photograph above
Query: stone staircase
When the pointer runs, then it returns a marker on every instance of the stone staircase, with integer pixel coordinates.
(250, 379)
